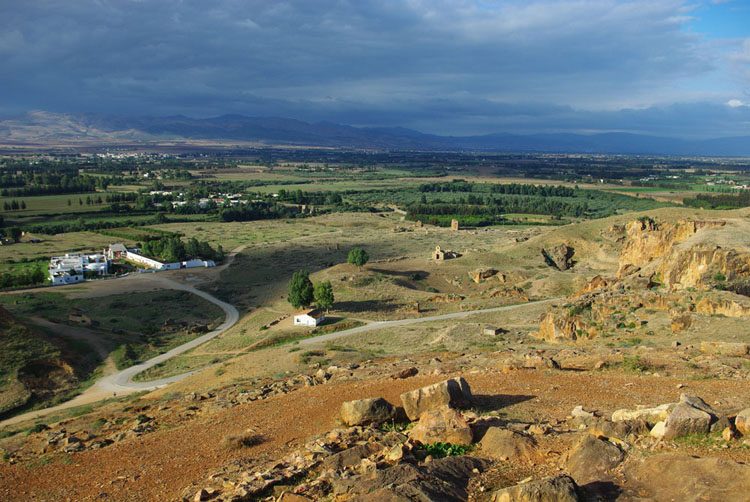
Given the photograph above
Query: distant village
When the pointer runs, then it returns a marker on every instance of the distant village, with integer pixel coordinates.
(73, 268)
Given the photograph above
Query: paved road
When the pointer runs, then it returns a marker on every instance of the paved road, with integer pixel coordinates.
(416, 320)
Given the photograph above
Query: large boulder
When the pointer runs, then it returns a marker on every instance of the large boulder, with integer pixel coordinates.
(454, 393)
(686, 420)
(444, 479)
(504, 444)
(444, 425)
(559, 488)
(559, 257)
(650, 415)
(681, 477)
(592, 458)
(742, 422)
(367, 411)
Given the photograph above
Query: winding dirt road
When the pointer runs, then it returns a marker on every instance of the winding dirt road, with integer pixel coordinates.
(121, 382)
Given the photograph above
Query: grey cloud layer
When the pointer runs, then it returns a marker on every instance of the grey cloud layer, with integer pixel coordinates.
(445, 66)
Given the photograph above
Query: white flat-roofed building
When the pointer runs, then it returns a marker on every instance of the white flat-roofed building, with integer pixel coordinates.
(71, 268)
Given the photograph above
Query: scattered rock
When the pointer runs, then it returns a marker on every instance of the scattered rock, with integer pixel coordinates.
(504, 444)
(454, 393)
(560, 488)
(649, 415)
(367, 411)
(592, 459)
(405, 373)
(442, 425)
(685, 420)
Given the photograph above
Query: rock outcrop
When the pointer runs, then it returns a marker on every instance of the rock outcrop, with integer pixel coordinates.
(504, 444)
(454, 393)
(367, 411)
(646, 240)
(725, 348)
(592, 458)
(444, 425)
(559, 257)
(560, 488)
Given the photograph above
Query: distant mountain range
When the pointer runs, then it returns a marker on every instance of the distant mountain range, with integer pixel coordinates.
(51, 129)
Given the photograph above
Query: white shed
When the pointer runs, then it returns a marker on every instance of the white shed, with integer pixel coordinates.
(309, 318)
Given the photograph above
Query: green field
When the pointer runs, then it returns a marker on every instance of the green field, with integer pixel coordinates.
(51, 204)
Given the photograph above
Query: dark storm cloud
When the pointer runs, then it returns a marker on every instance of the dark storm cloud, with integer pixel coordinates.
(444, 66)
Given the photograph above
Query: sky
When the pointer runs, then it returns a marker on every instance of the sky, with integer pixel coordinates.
(671, 68)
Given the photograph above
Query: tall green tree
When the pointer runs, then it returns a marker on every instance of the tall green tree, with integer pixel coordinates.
(323, 295)
(300, 289)
(15, 233)
(358, 257)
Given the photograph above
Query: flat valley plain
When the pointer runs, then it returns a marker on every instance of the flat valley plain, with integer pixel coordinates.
(622, 294)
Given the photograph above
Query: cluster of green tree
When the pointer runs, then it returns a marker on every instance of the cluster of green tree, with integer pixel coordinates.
(720, 201)
(80, 225)
(50, 183)
(170, 249)
(135, 234)
(497, 206)
(14, 233)
(13, 205)
(258, 211)
(317, 198)
(508, 189)
(120, 197)
(25, 276)
(303, 293)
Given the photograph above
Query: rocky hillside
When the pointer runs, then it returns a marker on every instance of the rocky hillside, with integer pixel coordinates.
(683, 269)
(35, 367)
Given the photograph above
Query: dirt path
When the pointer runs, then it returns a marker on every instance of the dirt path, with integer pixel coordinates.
(158, 466)
(121, 382)
(91, 337)
(416, 320)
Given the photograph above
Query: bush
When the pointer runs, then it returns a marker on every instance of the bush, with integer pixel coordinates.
(440, 450)
(244, 440)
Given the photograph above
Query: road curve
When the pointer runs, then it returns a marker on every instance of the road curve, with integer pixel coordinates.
(416, 320)
(121, 382)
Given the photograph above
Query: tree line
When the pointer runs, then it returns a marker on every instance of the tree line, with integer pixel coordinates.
(720, 201)
(171, 248)
(508, 189)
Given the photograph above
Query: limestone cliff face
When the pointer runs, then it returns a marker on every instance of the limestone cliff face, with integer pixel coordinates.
(596, 283)
(728, 308)
(646, 240)
(555, 328)
(699, 266)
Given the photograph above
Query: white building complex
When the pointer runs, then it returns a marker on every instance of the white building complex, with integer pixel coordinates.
(120, 251)
(72, 268)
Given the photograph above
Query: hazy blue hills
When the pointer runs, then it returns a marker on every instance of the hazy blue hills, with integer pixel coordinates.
(50, 128)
